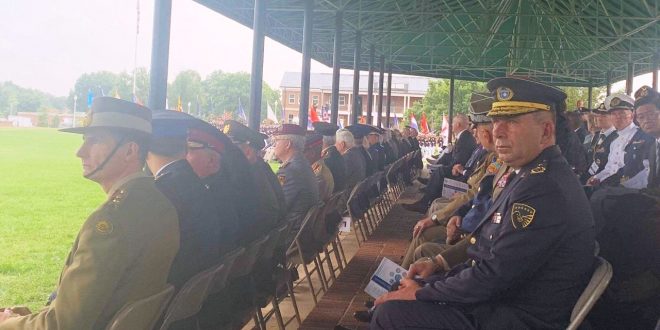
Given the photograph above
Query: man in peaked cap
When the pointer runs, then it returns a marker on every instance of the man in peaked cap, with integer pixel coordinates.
(313, 145)
(360, 131)
(376, 150)
(625, 165)
(331, 156)
(206, 232)
(647, 113)
(531, 255)
(301, 190)
(599, 146)
(106, 266)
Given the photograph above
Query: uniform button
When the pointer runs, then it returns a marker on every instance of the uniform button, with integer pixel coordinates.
(472, 206)
(473, 240)
(473, 263)
(490, 237)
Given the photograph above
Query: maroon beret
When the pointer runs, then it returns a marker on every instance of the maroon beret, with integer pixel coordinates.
(290, 129)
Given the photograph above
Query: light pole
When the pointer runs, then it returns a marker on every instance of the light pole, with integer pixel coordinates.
(75, 102)
(189, 103)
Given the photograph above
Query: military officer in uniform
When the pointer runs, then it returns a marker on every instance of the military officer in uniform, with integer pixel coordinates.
(600, 144)
(376, 150)
(313, 145)
(626, 164)
(331, 157)
(360, 131)
(356, 166)
(124, 250)
(301, 191)
(531, 254)
(647, 113)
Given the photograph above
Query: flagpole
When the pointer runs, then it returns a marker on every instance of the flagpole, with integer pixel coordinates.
(137, 33)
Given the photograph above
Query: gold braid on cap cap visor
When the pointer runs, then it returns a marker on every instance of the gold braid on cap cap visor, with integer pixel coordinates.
(511, 108)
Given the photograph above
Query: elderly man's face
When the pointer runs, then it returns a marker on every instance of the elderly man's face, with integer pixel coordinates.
(204, 161)
(518, 139)
(648, 117)
(603, 121)
(341, 146)
(281, 146)
(621, 118)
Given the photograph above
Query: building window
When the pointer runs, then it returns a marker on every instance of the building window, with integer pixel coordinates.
(290, 118)
(342, 100)
(292, 98)
(315, 100)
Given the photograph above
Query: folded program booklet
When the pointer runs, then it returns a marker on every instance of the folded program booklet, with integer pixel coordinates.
(387, 274)
(451, 187)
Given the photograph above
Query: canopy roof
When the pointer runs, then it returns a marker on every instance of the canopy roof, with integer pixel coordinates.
(561, 42)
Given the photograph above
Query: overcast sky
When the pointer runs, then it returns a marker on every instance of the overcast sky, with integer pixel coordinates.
(47, 44)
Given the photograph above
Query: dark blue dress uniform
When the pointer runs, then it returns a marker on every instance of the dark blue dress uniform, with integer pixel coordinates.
(335, 163)
(531, 255)
(377, 153)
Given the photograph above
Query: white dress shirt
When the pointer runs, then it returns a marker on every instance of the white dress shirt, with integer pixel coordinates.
(617, 152)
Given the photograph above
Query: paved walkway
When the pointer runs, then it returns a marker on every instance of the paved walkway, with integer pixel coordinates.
(346, 296)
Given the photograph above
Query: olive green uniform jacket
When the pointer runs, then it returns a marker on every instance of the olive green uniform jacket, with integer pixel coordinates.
(122, 253)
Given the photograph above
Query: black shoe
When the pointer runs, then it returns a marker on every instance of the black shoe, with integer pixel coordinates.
(419, 207)
(362, 316)
(369, 303)
(423, 180)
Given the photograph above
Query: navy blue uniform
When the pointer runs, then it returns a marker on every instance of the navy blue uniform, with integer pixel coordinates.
(531, 257)
(335, 163)
(369, 161)
(377, 153)
(205, 233)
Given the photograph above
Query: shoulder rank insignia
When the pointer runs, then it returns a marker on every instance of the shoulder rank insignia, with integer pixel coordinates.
(522, 215)
(637, 142)
(540, 168)
(281, 179)
(117, 197)
(104, 227)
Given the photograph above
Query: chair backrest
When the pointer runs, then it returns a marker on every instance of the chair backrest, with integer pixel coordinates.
(221, 277)
(143, 313)
(188, 301)
(353, 204)
(597, 285)
(244, 265)
(273, 239)
(305, 236)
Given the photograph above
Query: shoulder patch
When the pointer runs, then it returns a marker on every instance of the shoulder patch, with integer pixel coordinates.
(104, 227)
(522, 215)
(281, 179)
(540, 168)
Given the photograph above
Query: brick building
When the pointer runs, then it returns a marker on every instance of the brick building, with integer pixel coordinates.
(406, 90)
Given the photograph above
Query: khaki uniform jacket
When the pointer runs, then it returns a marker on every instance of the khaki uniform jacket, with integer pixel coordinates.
(324, 178)
(123, 253)
(473, 181)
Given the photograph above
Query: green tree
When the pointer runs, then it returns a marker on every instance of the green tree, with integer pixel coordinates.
(98, 83)
(188, 86)
(222, 92)
(14, 99)
(125, 85)
(575, 94)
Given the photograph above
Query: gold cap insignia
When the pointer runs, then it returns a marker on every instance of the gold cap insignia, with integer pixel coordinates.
(226, 129)
(540, 168)
(504, 94)
(88, 119)
(615, 101)
(642, 92)
(522, 215)
(281, 179)
(104, 227)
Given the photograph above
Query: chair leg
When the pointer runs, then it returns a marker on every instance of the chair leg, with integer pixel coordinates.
(278, 314)
(355, 230)
(293, 302)
(341, 250)
(331, 267)
(309, 281)
(259, 319)
(321, 271)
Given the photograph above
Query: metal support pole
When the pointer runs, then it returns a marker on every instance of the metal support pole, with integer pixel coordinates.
(336, 62)
(608, 81)
(629, 78)
(590, 89)
(389, 95)
(370, 88)
(357, 106)
(381, 82)
(306, 63)
(160, 53)
(451, 108)
(254, 117)
(654, 82)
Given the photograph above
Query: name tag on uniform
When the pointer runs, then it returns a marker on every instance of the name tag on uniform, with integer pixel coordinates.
(497, 217)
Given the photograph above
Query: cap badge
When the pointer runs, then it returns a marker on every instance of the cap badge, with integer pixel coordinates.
(226, 129)
(522, 215)
(642, 92)
(104, 227)
(504, 94)
(615, 101)
(88, 119)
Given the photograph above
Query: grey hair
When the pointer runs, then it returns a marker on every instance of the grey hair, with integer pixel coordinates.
(463, 119)
(328, 140)
(297, 141)
(344, 135)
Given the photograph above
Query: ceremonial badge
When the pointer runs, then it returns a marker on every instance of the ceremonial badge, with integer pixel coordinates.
(522, 215)
(497, 217)
(104, 227)
(540, 168)
(502, 181)
(88, 119)
(281, 179)
(615, 101)
(504, 94)
(494, 167)
(226, 129)
(642, 92)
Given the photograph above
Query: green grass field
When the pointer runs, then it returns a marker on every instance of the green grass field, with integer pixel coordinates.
(43, 202)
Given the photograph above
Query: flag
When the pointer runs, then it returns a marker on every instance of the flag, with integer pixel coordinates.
(90, 98)
(424, 124)
(444, 131)
(395, 122)
(325, 113)
(241, 112)
(179, 106)
(117, 94)
(270, 114)
(413, 121)
(313, 116)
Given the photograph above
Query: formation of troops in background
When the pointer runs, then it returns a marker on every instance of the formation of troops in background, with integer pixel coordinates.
(515, 251)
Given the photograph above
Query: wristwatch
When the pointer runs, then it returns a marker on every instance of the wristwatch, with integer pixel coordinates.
(433, 260)
(435, 220)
